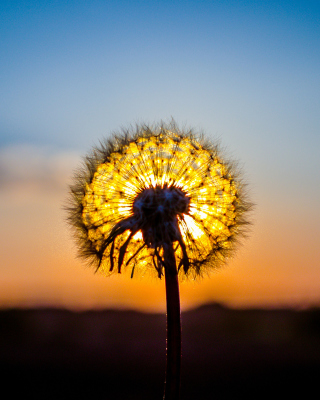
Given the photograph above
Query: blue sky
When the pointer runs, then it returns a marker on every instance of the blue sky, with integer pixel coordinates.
(72, 71)
(244, 72)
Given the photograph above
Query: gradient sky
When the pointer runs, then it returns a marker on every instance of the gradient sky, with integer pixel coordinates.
(247, 73)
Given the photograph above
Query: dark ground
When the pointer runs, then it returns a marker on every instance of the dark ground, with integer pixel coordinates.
(120, 355)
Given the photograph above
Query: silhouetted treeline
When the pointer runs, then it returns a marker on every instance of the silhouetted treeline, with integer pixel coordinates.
(119, 355)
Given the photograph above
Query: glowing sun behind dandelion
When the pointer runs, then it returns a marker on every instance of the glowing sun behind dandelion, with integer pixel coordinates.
(154, 186)
(162, 201)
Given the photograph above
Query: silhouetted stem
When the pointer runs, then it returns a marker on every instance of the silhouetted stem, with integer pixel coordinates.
(173, 367)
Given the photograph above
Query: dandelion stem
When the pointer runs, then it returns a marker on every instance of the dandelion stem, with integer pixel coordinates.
(173, 367)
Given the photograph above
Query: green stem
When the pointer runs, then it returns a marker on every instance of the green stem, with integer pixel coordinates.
(173, 367)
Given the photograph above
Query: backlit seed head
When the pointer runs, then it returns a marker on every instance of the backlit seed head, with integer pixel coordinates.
(153, 186)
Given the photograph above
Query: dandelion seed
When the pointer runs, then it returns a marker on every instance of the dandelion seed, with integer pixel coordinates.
(159, 186)
(161, 201)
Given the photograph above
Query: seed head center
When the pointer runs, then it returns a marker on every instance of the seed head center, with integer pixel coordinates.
(157, 209)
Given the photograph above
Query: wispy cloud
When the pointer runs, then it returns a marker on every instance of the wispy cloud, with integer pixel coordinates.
(35, 171)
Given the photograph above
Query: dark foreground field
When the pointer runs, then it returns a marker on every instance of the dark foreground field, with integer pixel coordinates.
(227, 354)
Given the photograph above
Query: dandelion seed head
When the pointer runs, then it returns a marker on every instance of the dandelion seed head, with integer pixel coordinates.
(156, 186)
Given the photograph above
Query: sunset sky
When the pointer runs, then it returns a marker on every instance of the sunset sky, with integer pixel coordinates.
(246, 73)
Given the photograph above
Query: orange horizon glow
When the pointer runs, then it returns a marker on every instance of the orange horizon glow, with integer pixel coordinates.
(277, 266)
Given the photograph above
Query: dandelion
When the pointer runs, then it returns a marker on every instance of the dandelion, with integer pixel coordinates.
(158, 200)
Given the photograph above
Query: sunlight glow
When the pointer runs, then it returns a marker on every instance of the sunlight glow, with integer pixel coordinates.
(167, 159)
